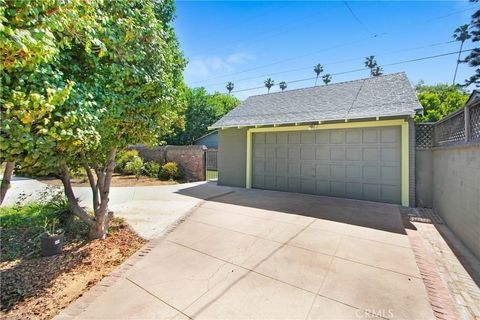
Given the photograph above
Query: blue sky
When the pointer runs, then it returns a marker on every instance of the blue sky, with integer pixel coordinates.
(247, 42)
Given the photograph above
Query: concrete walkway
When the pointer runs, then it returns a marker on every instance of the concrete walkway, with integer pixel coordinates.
(255, 254)
(148, 210)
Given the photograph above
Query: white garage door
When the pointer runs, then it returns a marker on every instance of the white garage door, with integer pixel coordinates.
(361, 163)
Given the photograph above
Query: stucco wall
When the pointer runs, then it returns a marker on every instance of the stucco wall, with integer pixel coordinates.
(232, 151)
(190, 158)
(456, 191)
(424, 177)
(411, 163)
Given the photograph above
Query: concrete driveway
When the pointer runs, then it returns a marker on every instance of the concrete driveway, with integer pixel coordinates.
(255, 254)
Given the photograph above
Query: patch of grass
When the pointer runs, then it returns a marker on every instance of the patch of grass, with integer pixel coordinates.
(22, 225)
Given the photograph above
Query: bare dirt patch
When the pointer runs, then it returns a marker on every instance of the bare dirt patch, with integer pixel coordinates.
(39, 288)
(117, 181)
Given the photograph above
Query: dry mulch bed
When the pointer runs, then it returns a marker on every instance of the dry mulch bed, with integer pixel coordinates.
(39, 288)
(117, 181)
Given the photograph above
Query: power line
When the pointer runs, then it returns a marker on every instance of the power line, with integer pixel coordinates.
(287, 59)
(334, 62)
(356, 17)
(311, 53)
(363, 69)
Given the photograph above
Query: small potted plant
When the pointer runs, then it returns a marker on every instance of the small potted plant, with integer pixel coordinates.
(52, 238)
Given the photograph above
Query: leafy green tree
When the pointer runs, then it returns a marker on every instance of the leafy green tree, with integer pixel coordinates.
(230, 87)
(122, 84)
(283, 85)
(473, 58)
(439, 100)
(317, 69)
(203, 109)
(269, 83)
(33, 89)
(460, 34)
(327, 78)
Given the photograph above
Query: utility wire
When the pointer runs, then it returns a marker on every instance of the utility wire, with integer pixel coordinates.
(363, 69)
(334, 62)
(311, 53)
(356, 17)
(287, 59)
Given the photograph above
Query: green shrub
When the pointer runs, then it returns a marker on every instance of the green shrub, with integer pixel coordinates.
(170, 171)
(135, 167)
(123, 157)
(152, 169)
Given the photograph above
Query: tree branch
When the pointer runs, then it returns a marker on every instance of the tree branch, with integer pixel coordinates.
(74, 206)
(7, 176)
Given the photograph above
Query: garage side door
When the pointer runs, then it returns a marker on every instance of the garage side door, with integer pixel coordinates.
(363, 163)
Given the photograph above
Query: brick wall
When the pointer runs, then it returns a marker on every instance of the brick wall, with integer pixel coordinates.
(190, 158)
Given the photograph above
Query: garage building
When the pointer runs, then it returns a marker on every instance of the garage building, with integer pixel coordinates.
(352, 139)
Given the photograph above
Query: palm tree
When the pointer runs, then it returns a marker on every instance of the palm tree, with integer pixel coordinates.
(377, 71)
(269, 83)
(318, 69)
(370, 63)
(230, 87)
(460, 34)
(283, 85)
(327, 79)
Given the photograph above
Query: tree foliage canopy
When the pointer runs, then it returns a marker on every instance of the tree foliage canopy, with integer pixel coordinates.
(82, 79)
(439, 100)
(202, 110)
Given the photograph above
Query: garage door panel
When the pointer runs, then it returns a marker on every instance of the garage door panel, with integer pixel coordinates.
(389, 193)
(353, 136)
(337, 136)
(293, 153)
(370, 135)
(308, 186)
(270, 182)
(307, 153)
(293, 137)
(293, 169)
(307, 138)
(321, 137)
(353, 154)
(360, 163)
(293, 184)
(271, 138)
(337, 171)
(389, 135)
(259, 138)
(322, 153)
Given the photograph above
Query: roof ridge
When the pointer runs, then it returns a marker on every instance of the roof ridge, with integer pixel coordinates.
(334, 84)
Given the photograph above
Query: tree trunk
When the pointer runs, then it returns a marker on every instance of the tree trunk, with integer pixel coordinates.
(458, 62)
(74, 205)
(7, 176)
(102, 215)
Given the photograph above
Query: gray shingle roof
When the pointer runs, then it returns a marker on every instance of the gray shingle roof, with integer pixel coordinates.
(383, 96)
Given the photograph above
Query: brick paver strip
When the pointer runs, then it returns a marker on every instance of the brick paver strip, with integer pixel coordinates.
(442, 305)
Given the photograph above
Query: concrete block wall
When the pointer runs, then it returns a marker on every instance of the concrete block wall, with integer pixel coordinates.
(190, 158)
(456, 191)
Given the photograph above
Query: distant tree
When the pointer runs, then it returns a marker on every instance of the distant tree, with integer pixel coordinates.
(269, 83)
(203, 109)
(327, 78)
(318, 69)
(283, 85)
(230, 87)
(473, 58)
(377, 71)
(439, 100)
(460, 34)
(371, 63)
